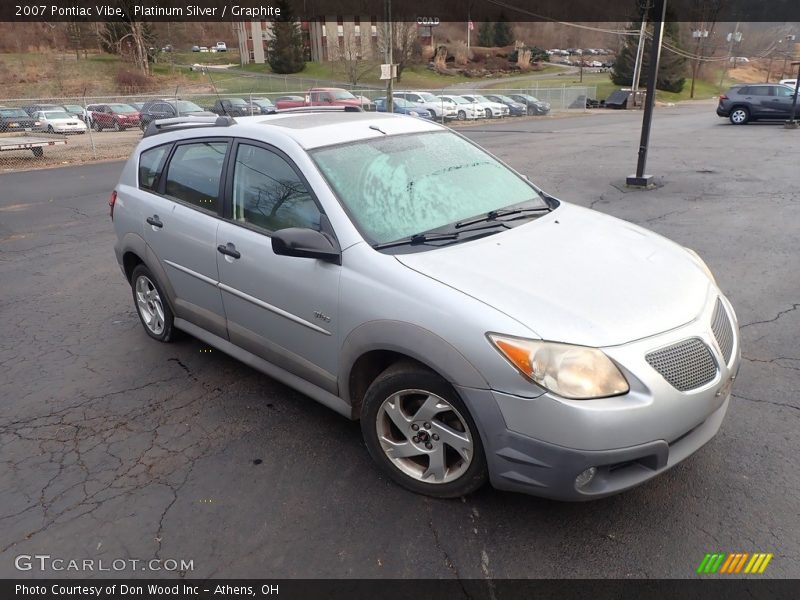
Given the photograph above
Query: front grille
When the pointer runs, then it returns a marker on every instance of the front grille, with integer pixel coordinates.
(686, 365)
(723, 331)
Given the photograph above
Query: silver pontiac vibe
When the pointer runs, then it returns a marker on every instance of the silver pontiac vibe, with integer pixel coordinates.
(394, 271)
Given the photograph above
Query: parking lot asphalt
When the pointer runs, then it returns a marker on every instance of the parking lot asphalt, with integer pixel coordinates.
(114, 446)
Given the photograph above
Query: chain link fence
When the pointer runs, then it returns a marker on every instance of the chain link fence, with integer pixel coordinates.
(62, 131)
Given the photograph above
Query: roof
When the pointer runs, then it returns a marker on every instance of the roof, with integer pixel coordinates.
(313, 130)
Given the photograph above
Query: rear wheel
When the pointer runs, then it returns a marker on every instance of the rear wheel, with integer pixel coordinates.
(50, 129)
(97, 126)
(462, 116)
(739, 115)
(420, 432)
(489, 113)
(151, 305)
(117, 126)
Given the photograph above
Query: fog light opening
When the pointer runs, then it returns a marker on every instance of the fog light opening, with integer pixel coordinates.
(585, 478)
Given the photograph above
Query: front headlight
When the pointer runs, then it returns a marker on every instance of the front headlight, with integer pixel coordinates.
(576, 372)
(413, 113)
(701, 263)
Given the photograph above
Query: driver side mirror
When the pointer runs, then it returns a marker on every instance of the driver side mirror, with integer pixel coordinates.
(306, 243)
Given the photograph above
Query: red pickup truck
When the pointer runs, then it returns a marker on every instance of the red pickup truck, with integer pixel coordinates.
(323, 97)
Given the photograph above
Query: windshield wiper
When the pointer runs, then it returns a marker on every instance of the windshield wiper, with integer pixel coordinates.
(493, 215)
(418, 238)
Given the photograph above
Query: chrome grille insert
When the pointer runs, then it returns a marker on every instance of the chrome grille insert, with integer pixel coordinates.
(723, 331)
(686, 365)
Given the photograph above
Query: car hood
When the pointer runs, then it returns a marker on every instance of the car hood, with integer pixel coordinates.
(576, 276)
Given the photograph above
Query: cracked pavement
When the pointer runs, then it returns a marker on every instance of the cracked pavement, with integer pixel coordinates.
(114, 446)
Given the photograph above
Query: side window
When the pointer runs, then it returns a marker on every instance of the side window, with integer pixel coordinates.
(150, 165)
(268, 194)
(783, 92)
(194, 173)
(759, 91)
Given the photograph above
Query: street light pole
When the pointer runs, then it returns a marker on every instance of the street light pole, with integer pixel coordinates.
(640, 179)
(791, 123)
(390, 57)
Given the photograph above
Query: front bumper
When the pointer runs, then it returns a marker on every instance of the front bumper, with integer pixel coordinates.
(540, 445)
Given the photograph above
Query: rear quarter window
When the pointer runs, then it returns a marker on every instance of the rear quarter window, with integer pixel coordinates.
(151, 163)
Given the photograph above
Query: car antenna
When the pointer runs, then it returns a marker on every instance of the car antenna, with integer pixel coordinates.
(221, 104)
(376, 128)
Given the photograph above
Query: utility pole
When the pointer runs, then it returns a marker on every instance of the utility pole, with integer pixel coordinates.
(637, 66)
(791, 123)
(390, 59)
(732, 37)
(641, 180)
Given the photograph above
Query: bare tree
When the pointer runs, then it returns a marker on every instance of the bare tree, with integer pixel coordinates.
(355, 67)
(406, 49)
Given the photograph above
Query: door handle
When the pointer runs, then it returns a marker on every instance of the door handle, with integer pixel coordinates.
(229, 250)
(155, 221)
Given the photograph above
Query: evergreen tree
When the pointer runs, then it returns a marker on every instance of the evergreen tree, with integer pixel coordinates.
(671, 68)
(286, 46)
(486, 34)
(502, 33)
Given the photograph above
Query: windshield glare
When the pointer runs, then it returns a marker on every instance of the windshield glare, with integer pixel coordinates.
(456, 100)
(344, 95)
(185, 106)
(55, 115)
(429, 97)
(398, 186)
(122, 108)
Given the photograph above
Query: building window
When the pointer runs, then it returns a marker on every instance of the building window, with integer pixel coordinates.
(340, 30)
(374, 30)
(252, 56)
(357, 30)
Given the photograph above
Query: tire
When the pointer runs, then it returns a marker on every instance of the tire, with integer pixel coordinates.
(406, 396)
(151, 305)
(489, 113)
(97, 126)
(462, 116)
(50, 129)
(739, 116)
(117, 126)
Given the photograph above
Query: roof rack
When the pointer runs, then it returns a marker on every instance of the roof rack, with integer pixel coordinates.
(175, 123)
(303, 109)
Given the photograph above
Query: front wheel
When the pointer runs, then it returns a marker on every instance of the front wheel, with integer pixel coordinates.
(462, 116)
(420, 432)
(97, 126)
(489, 113)
(50, 129)
(739, 116)
(151, 305)
(117, 126)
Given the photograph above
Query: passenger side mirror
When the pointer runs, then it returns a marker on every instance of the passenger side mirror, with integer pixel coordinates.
(306, 243)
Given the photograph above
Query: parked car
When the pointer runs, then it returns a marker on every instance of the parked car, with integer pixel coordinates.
(493, 109)
(32, 109)
(403, 107)
(790, 82)
(440, 109)
(744, 103)
(16, 119)
(58, 121)
(137, 105)
(396, 272)
(465, 110)
(232, 107)
(76, 110)
(320, 96)
(533, 105)
(195, 48)
(264, 105)
(169, 108)
(116, 116)
(515, 109)
(221, 47)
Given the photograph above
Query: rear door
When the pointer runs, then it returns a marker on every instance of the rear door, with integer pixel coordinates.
(181, 222)
(281, 308)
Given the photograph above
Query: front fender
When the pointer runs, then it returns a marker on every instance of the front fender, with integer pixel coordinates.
(413, 341)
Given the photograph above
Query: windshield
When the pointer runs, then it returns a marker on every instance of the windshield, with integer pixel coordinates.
(481, 99)
(122, 108)
(55, 115)
(401, 185)
(430, 97)
(504, 99)
(402, 103)
(263, 102)
(184, 106)
(343, 95)
(457, 100)
(13, 112)
(73, 107)
(237, 102)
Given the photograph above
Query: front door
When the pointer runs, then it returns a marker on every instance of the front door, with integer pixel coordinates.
(281, 308)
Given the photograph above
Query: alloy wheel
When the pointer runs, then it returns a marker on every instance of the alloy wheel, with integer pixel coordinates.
(148, 302)
(424, 436)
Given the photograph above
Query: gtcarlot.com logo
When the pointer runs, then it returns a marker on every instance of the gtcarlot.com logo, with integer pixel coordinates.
(45, 562)
(735, 562)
